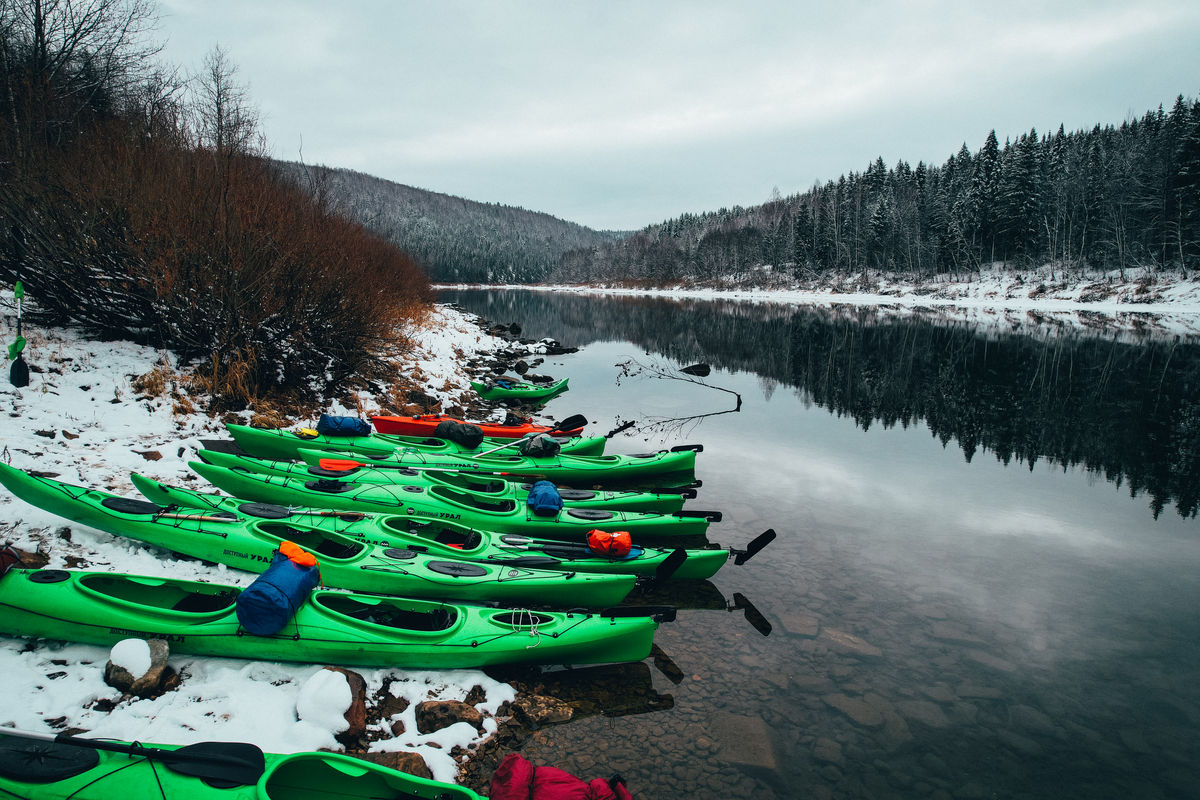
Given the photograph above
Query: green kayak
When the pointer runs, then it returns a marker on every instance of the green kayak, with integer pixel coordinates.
(486, 487)
(247, 541)
(444, 502)
(519, 390)
(203, 771)
(427, 536)
(330, 627)
(665, 467)
(279, 443)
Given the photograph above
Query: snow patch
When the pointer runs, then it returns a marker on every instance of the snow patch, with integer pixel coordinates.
(131, 655)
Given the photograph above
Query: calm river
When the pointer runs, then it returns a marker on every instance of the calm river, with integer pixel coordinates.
(986, 577)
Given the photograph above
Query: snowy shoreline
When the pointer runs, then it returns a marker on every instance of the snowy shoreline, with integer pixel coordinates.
(83, 421)
(1166, 302)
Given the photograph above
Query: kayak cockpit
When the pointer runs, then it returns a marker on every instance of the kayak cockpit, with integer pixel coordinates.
(389, 613)
(159, 595)
(459, 537)
(324, 544)
(472, 501)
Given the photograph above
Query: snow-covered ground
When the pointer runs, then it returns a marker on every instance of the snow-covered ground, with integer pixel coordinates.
(83, 419)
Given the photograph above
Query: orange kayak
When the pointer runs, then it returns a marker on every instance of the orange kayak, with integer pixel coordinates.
(424, 424)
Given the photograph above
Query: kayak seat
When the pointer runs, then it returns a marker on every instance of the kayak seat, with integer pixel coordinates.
(124, 505)
(313, 541)
(321, 472)
(591, 514)
(202, 603)
(330, 486)
(455, 538)
(389, 615)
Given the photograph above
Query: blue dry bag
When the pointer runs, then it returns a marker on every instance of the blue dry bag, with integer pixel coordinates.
(329, 425)
(544, 499)
(266, 606)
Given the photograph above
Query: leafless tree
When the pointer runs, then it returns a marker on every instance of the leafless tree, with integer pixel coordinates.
(225, 119)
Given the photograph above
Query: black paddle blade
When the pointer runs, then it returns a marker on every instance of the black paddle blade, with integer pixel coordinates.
(219, 764)
(762, 540)
(670, 564)
(664, 664)
(18, 373)
(699, 370)
(569, 424)
(752, 614)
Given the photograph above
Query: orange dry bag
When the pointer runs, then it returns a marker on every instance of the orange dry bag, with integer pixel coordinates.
(614, 544)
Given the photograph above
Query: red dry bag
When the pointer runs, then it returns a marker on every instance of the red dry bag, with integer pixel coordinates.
(613, 544)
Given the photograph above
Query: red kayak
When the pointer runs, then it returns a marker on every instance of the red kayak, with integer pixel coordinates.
(424, 424)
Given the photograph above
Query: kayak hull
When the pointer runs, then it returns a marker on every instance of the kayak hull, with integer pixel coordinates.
(424, 425)
(521, 391)
(490, 488)
(679, 465)
(330, 627)
(279, 443)
(243, 541)
(295, 776)
(445, 539)
(443, 503)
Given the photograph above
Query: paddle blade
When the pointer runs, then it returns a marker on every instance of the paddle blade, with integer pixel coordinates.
(665, 665)
(752, 614)
(762, 540)
(222, 765)
(339, 464)
(699, 370)
(670, 564)
(570, 423)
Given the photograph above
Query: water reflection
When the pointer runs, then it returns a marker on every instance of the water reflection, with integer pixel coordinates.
(1124, 408)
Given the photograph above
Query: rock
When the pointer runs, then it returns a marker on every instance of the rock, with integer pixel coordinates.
(535, 710)
(521, 367)
(391, 705)
(148, 684)
(412, 763)
(149, 455)
(989, 660)
(356, 714)
(949, 632)
(743, 740)
(859, 711)
(939, 693)
(924, 712)
(978, 692)
(433, 715)
(798, 623)
(849, 644)
(827, 750)
(1030, 718)
(397, 728)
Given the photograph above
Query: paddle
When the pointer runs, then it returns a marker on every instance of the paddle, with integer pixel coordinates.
(18, 373)
(219, 764)
(699, 370)
(569, 424)
(757, 544)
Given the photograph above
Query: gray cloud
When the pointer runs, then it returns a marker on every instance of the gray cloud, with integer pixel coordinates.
(619, 114)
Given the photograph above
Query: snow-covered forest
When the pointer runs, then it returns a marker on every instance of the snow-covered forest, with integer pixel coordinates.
(454, 239)
(1109, 198)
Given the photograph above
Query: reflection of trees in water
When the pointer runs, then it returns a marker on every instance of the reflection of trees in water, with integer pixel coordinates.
(1120, 408)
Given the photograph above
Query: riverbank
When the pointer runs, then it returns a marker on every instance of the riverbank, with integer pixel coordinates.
(94, 412)
(1163, 301)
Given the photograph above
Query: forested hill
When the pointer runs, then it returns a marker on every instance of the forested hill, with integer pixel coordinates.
(456, 240)
(1114, 197)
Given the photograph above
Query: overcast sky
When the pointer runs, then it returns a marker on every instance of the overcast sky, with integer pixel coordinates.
(621, 114)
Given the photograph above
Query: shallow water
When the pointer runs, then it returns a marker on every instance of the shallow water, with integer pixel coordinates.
(985, 579)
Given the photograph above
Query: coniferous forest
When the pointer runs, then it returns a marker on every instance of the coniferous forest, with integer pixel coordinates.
(454, 239)
(1110, 198)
